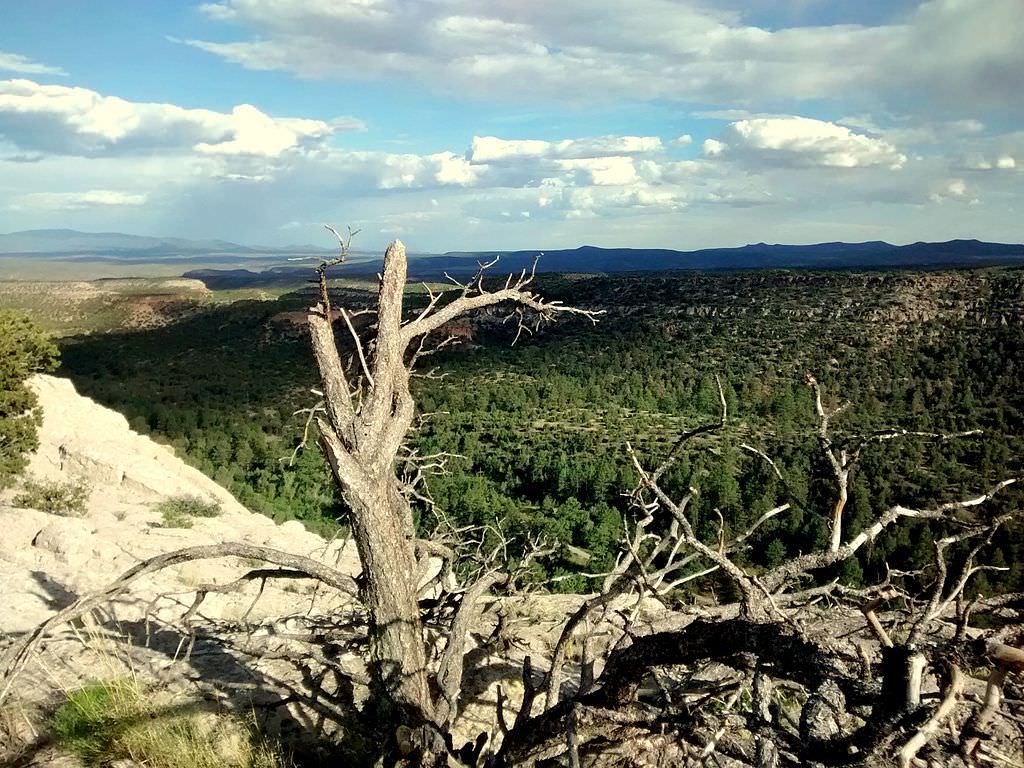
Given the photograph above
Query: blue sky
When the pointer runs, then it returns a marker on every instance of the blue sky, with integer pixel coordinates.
(459, 124)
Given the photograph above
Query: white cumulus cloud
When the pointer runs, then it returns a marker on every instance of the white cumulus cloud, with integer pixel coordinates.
(453, 169)
(254, 133)
(1001, 152)
(389, 171)
(74, 201)
(713, 147)
(956, 190)
(802, 142)
(66, 120)
(13, 62)
(491, 149)
(603, 171)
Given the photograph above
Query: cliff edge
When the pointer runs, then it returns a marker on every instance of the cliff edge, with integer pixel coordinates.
(48, 561)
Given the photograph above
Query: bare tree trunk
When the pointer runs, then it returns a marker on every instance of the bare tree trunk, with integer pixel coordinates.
(836, 538)
(361, 447)
(383, 531)
(361, 433)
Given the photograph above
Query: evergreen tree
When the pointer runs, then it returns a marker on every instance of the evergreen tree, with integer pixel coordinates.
(24, 350)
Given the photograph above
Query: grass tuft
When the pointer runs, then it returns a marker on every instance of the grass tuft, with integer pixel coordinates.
(180, 511)
(170, 518)
(112, 720)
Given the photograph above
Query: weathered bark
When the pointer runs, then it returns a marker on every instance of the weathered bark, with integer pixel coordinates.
(361, 449)
(449, 674)
(789, 655)
(901, 672)
(784, 574)
(950, 697)
(362, 435)
(383, 531)
(836, 537)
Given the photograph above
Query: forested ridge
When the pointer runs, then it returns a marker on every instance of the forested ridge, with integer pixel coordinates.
(541, 427)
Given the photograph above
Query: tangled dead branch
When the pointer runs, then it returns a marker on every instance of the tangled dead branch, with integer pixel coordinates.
(18, 655)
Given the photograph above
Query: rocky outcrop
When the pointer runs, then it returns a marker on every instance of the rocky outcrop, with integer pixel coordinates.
(82, 440)
(49, 561)
(45, 559)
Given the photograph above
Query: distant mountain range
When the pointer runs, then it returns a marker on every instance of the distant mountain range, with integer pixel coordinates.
(588, 258)
(68, 242)
(873, 254)
(269, 264)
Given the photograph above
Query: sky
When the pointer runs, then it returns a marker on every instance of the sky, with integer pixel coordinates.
(474, 125)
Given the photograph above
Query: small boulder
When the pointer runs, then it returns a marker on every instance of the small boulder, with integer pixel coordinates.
(67, 539)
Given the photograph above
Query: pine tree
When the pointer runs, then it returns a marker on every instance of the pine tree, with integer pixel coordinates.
(24, 350)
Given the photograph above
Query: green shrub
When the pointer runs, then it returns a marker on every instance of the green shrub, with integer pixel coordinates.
(179, 511)
(113, 720)
(24, 350)
(67, 499)
(172, 518)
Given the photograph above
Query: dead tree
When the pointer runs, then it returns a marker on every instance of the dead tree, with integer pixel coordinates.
(365, 416)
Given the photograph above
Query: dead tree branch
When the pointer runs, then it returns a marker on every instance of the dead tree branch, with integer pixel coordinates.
(843, 460)
(785, 574)
(18, 655)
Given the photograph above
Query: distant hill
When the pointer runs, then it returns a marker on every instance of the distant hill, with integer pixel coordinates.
(64, 242)
(247, 262)
(872, 254)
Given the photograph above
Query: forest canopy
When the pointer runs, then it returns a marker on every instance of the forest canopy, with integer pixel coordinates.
(539, 429)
